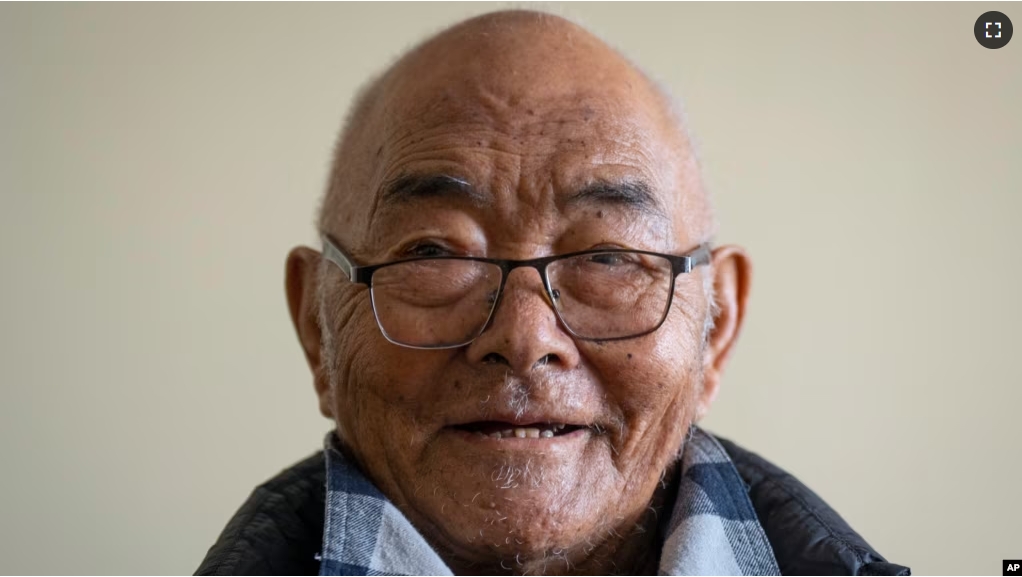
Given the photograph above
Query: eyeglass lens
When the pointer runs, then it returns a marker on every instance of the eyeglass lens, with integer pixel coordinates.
(447, 302)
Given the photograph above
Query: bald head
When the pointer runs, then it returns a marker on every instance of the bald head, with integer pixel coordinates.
(505, 67)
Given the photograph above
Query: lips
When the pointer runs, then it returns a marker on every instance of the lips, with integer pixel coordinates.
(506, 430)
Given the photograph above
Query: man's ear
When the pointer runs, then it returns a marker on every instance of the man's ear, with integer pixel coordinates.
(300, 282)
(732, 273)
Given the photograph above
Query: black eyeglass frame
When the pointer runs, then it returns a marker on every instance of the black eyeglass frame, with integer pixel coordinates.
(357, 274)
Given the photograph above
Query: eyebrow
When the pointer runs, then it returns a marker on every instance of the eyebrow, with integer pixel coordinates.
(412, 187)
(634, 195)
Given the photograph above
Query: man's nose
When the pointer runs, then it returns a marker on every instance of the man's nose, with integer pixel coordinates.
(525, 333)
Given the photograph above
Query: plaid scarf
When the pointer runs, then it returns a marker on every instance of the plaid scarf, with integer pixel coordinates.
(713, 529)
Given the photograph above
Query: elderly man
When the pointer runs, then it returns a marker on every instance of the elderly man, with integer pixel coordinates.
(515, 322)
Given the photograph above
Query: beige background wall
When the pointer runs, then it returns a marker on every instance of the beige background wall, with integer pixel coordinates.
(158, 161)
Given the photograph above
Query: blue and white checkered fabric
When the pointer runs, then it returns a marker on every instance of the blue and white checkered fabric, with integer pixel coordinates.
(713, 529)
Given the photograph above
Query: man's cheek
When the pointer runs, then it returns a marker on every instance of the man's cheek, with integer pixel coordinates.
(389, 392)
(654, 412)
(657, 398)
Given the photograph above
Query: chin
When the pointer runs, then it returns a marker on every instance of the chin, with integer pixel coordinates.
(521, 537)
(512, 504)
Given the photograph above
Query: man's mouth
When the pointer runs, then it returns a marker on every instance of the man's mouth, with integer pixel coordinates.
(503, 430)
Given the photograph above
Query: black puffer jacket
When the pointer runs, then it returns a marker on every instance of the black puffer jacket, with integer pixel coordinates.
(279, 530)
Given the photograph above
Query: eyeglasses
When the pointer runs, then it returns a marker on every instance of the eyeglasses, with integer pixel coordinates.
(446, 302)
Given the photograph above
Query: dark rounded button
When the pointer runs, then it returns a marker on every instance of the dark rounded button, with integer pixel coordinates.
(993, 30)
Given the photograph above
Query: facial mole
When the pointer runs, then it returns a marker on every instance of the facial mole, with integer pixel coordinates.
(629, 356)
(599, 214)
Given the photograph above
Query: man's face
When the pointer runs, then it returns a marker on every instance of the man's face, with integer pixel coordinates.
(413, 418)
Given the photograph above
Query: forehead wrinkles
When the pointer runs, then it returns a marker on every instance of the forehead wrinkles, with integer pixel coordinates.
(523, 145)
(565, 118)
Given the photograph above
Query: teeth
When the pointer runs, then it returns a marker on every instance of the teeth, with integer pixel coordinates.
(525, 432)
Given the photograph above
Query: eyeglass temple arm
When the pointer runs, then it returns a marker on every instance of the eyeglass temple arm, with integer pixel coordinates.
(698, 257)
(701, 255)
(333, 253)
